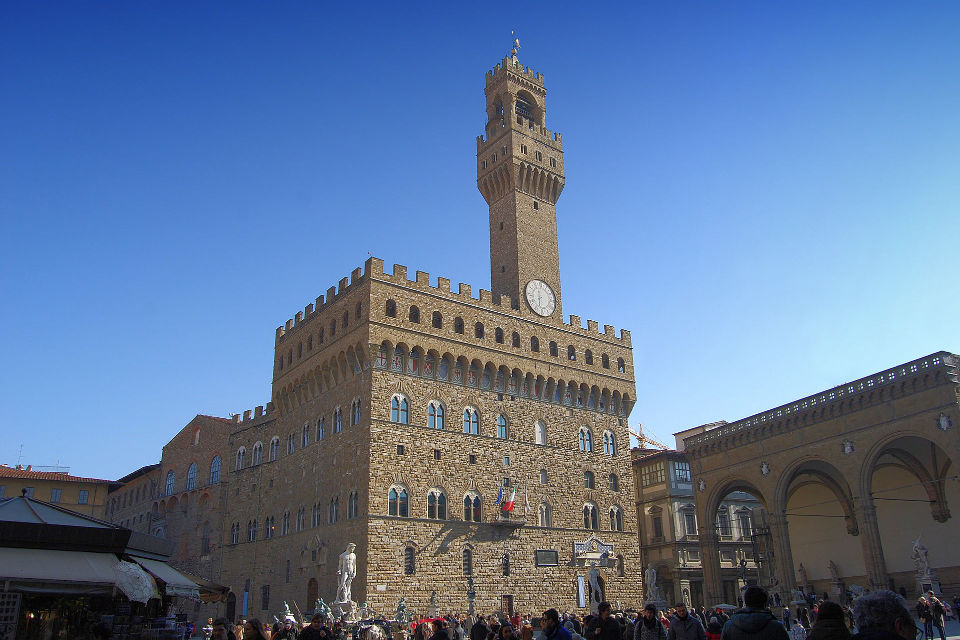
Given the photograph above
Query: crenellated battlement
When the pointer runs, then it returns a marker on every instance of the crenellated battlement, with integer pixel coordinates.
(542, 134)
(334, 294)
(512, 65)
(374, 269)
(252, 415)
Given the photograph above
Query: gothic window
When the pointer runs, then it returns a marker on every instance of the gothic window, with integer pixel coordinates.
(355, 413)
(192, 476)
(333, 514)
(398, 502)
(616, 519)
(588, 481)
(409, 561)
(540, 432)
(359, 310)
(502, 431)
(539, 157)
(458, 325)
(472, 507)
(346, 319)
(291, 443)
(498, 335)
(588, 356)
(534, 344)
(543, 476)
(523, 148)
(435, 413)
(171, 481)
(285, 523)
(333, 327)
(609, 443)
(471, 421)
(605, 361)
(553, 162)
(614, 482)
(301, 518)
(437, 320)
(274, 448)
(516, 340)
(467, 562)
(235, 533)
(241, 458)
(571, 353)
(506, 564)
(621, 365)
(553, 349)
(321, 429)
(591, 519)
(585, 439)
(251, 530)
(305, 436)
(337, 420)
(391, 309)
(544, 516)
(353, 504)
(268, 528)
(399, 409)
(320, 336)
(436, 505)
(478, 330)
(414, 314)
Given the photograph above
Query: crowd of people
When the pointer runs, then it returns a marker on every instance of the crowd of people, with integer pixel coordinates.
(880, 615)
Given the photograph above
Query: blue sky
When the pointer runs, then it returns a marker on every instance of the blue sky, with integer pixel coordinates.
(765, 194)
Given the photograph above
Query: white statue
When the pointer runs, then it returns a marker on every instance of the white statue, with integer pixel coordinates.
(650, 580)
(596, 593)
(347, 572)
(920, 559)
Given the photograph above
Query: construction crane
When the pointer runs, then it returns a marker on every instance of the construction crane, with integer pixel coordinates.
(645, 440)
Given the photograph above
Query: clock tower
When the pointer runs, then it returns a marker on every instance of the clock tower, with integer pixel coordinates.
(520, 174)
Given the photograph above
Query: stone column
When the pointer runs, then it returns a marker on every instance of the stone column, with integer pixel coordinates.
(710, 560)
(783, 571)
(870, 540)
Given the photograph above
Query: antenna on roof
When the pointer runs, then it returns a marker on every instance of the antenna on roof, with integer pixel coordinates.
(20, 455)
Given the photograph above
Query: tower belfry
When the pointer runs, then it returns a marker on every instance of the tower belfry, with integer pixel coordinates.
(520, 174)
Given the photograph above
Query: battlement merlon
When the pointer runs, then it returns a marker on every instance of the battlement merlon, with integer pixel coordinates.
(333, 294)
(512, 66)
(543, 135)
(252, 415)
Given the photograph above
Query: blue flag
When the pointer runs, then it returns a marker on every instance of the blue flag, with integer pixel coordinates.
(499, 496)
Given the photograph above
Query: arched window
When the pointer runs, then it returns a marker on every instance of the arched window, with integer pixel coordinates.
(399, 409)
(591, 519)
(458, 325)
(414, 314)
(478, 330)
(506, 563)
(192, 476)
(553, 349)
(436, 505)
(435, 414)
(540, 432)
(274, 448)
(588, 482)
(346, 319)
(472, 510)
(498, 335)
(437, 320)
(621, 365)
(616, 519)
(333, 516)
(588, 356)
(409, 561)
(571, 353)
(241, 458)
(585, 439)
(257, 456)
(502, 431)
(359, 310)
(534, 344)
(609, 443)
(305, 436)
(291, 443)
(337, 420)
(471, 421)
(544, 515)
(333, 327)
(614, 482)
(215, 470)
(467, 562)
(171, 481)
(391, 309)
(398, 502)
(543, 476)
(269, 526)
(516, 340)
(355, 412)
(321, 429)
(605, 361)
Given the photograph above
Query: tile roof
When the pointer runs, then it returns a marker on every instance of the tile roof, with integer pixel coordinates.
(13, 472)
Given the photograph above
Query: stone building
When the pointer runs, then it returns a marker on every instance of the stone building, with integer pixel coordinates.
(400, 409)
(856, 483)
(669, 538)
(132, 499)
(83, 495)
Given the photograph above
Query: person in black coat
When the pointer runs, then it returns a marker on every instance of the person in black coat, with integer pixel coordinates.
(754, 621)
(603, 626)
(830, 624)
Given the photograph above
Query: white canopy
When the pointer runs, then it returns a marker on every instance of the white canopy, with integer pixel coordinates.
(77, 572)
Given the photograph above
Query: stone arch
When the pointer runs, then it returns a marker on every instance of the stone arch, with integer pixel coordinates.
(727, 486)
(811, 469)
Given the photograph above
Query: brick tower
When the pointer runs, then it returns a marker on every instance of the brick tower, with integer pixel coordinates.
(520, 174)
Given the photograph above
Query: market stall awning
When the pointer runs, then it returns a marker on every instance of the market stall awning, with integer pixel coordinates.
(210, 591)
(68, 572)
(176, 583)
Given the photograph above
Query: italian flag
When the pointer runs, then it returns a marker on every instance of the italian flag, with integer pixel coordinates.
(508, 505)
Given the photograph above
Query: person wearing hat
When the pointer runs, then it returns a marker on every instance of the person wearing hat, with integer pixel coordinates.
(649, 626)
(830, 623)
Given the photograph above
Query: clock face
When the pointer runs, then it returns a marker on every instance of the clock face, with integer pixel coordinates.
(540, 297)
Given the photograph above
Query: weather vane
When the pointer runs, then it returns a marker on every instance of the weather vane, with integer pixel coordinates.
(516, 44)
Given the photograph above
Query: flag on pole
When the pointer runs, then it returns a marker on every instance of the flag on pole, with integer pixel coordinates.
(526, 500)
(508, 505)
(499, 497)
